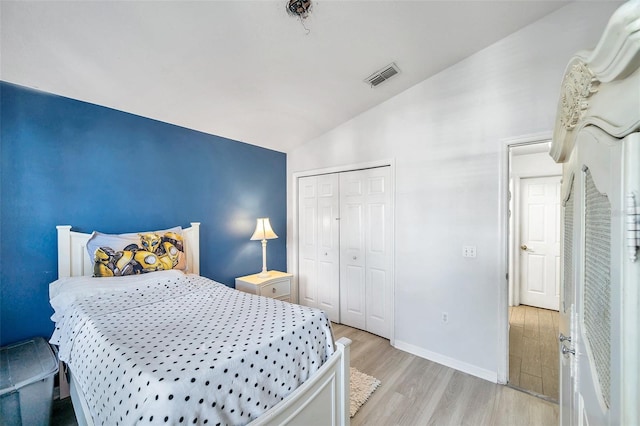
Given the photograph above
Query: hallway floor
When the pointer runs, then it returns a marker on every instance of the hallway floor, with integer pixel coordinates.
(533, 350)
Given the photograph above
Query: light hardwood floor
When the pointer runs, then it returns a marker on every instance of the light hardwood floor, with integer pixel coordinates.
(415, 391)
(533, 350)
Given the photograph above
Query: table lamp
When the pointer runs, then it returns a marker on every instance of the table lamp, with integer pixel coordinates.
(263, 232)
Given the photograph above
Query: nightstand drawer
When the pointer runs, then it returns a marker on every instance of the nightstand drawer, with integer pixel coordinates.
(276, 289)
(276, 285)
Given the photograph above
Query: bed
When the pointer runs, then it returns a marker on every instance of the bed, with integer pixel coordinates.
(172, 347)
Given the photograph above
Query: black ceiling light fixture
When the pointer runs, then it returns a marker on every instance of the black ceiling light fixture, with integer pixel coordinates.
(299, 8)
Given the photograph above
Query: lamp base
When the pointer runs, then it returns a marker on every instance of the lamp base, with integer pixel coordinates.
(264, 273)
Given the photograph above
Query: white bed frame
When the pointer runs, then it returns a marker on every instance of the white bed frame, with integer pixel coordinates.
(321, 400)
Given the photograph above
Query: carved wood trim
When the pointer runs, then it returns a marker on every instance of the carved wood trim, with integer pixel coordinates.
(578, 85)
(584, 97)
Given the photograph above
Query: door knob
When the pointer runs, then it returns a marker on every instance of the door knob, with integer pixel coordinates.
(562, 338)
(566, 350)
(524, 247)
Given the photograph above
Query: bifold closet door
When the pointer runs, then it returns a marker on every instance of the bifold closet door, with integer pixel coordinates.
(365, 250)
(319, 244)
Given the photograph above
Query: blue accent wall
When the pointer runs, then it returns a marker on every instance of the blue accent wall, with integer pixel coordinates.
(67, 162)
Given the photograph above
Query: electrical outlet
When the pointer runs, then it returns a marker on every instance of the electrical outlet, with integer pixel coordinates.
(469, 251)
(445, 317)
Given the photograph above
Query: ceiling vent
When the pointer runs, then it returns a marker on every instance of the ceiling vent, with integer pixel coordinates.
(382, 75)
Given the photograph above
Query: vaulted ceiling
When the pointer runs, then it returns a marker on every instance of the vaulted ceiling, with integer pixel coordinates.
(245, 70)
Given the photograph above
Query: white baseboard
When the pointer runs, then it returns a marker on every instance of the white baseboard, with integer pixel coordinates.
(491, 376)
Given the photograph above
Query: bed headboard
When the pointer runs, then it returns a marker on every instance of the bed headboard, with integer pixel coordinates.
(74, 261)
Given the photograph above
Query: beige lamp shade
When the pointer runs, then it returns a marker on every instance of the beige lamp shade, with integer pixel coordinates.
(263, 230)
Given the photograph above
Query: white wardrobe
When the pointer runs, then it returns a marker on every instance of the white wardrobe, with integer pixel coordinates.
(345, 247)
(597, 138)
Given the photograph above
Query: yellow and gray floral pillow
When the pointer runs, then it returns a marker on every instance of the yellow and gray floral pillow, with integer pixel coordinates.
(136, 253)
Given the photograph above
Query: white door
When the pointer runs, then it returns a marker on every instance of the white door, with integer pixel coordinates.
(319, 244)
(591, 314)
(540, 242)
(366, 276)
(307, 241)
(328, 255)
(352, 252)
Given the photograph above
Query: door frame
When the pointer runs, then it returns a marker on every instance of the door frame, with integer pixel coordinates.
(293, 253)
(505, 270)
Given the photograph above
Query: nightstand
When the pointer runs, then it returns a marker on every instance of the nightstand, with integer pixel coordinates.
(277, 285)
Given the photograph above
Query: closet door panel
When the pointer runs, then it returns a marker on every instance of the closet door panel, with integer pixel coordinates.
(379, 251)
(319, 244)
(352, 251)
(307, 283)
(365, 244)
(377, 321)
(328, 295)
(328, 250)
(307, 242)
(377, 297)
(352, 301)
(352, 264)
(352, 232)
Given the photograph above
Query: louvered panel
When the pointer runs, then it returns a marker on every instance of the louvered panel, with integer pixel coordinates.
(376, 80)
(389, 72)
(568, 285)
(597, 286)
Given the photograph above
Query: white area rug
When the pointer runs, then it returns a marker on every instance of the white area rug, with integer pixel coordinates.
(362, 386)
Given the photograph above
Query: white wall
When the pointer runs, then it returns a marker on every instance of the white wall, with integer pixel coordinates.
(447, 135)
(534, 165)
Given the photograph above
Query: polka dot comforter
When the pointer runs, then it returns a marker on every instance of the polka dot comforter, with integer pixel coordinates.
(182, 349)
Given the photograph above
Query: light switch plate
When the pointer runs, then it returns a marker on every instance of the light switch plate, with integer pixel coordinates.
(469, 251)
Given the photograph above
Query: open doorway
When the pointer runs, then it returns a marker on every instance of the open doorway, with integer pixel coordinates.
(533, 260)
